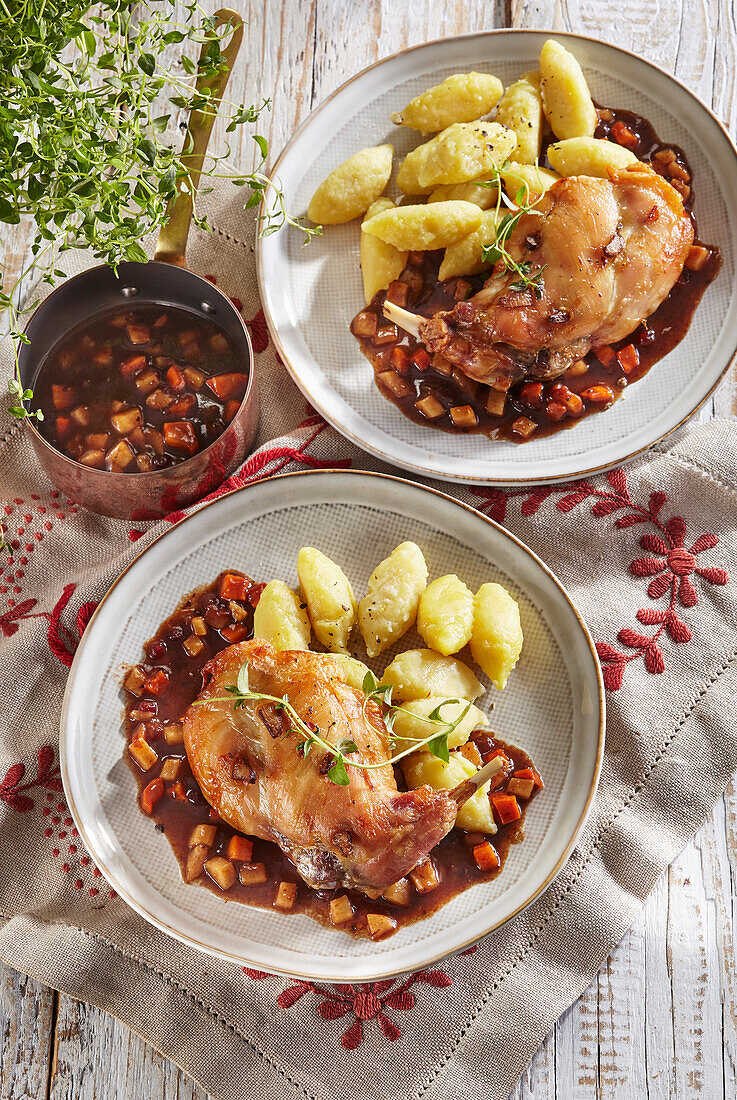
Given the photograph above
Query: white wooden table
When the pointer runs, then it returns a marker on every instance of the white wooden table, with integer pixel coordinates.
(660, 1021)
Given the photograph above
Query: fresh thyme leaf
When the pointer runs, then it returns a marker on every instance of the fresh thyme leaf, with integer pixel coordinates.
(435, 716)
(338, 773)
(346, 745)
(242, 679)
(438, 746)
(89, 102)
(370, 683)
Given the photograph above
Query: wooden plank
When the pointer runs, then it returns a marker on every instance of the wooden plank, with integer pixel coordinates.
(658, 1022)
(26, 1025)
(96, 1057)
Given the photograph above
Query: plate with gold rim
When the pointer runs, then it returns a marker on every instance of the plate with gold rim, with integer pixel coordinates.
(311, 294)
(553, 706)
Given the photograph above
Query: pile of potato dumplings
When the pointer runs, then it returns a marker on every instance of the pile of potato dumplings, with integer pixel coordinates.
(448, 617)
(458, 171)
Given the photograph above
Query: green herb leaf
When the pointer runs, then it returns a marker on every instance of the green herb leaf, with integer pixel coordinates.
(438, 746)
(242, 679)
(338, 773)
(370, 683)
(346, 744)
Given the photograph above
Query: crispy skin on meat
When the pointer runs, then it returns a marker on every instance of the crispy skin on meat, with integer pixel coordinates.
(367, 834)
(610, 251)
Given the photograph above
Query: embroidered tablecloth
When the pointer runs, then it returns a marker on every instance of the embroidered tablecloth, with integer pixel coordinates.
(646, 553)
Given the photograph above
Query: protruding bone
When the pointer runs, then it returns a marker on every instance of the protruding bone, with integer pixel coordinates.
(468, 787)
(410, 322)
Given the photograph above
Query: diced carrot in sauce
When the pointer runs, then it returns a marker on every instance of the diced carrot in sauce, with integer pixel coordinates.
(628, 358)
(255, 593)
(236, 633)
(177, 791)
(151, 794)
(161, 321)
(530, 773)
(233, 587)
(486, 857)
(138, 334)
(400, 359)
(158, 682)
(556, 410)
(182, 405)
(520, 788)
(227, 386)
(240, 849)
(605, 354)
(421, 359)
(63, 427)
(506, 807)
(623, 135)
(506, 762)
(97, 440)
(599, 395)
(175, 378)
(62, 396)
(132, 364)
(180, 435)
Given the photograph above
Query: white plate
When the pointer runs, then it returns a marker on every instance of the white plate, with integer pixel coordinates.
(553, 706)
(311, 294)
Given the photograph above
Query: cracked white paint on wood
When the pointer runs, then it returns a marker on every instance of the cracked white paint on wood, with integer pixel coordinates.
(660, 1020)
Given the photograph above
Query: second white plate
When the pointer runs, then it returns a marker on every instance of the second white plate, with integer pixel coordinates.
(553, 706)
(311, 294)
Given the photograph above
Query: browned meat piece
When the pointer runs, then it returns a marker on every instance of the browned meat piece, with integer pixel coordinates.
(608, 250)
(246, 762)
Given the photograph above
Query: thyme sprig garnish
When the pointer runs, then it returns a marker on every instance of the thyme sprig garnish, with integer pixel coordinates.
(506, 225)
(90, 95)
(241, 693)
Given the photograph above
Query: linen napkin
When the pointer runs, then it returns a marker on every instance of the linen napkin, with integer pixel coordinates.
(646, 553)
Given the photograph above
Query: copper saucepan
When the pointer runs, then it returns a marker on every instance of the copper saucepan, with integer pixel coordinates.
(165, 282)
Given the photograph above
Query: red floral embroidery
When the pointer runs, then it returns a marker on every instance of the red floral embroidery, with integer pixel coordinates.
(13, 790)
(670, 564)
(259, 332)
(366, 1001)
(9, 619)
(62, 641)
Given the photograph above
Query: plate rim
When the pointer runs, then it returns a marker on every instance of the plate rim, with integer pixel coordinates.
(406, 464)
(376, 972)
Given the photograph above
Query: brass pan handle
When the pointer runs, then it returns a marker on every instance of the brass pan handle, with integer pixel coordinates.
(172, 243)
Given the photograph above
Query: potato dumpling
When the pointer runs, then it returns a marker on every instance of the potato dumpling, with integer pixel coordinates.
(407, 726)
(381, 263)
(521, 109)
(475, 815)
(566, 98)
(482, 192)
(350, 188)
(533, 180)
(329, 598)
(354, 670)
(465, 151)
(281, 618)
(460, 98)
(445, 614)
(424, 228)
(467, 256)
(389, 608)
(587, 156)
(496, 641)
(422, 673)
